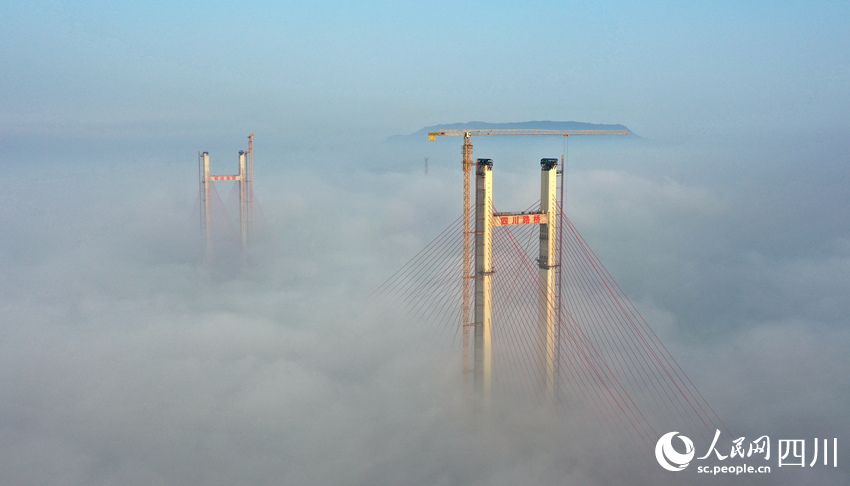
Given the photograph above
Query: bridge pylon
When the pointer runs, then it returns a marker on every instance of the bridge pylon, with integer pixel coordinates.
(485, 220)
(245, 177)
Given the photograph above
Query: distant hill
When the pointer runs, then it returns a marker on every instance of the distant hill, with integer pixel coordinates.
(539, 125)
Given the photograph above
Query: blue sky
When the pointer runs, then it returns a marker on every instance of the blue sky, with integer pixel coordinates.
(373, 69)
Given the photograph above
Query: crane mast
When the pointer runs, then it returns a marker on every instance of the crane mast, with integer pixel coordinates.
(468, 228)
(249, 195)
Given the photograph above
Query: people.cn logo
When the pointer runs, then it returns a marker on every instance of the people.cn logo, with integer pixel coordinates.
(668, 457)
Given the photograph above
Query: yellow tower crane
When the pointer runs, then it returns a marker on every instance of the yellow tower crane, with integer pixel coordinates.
(467, 227)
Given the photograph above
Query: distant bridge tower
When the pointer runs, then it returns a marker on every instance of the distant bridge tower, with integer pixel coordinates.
(245, 177)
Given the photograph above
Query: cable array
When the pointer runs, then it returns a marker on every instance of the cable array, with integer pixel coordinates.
(225, 230)
(610, 363)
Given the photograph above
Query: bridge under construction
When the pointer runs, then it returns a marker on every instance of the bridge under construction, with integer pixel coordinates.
(245, 183)
(546, 317)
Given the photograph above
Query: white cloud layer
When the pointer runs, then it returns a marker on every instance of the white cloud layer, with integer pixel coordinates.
(125, 361)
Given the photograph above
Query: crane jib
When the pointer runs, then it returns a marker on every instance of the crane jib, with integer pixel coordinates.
(507, 131)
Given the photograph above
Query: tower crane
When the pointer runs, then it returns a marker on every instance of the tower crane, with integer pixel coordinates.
(249, 195)
(467, 228)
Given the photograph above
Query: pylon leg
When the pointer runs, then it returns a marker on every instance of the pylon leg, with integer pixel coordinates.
(483, 280)
(547, 264)
(205, 205)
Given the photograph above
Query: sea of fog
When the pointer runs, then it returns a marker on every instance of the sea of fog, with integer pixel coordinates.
(125, 359)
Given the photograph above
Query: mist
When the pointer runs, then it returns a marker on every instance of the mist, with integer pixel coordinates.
(127, 360)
